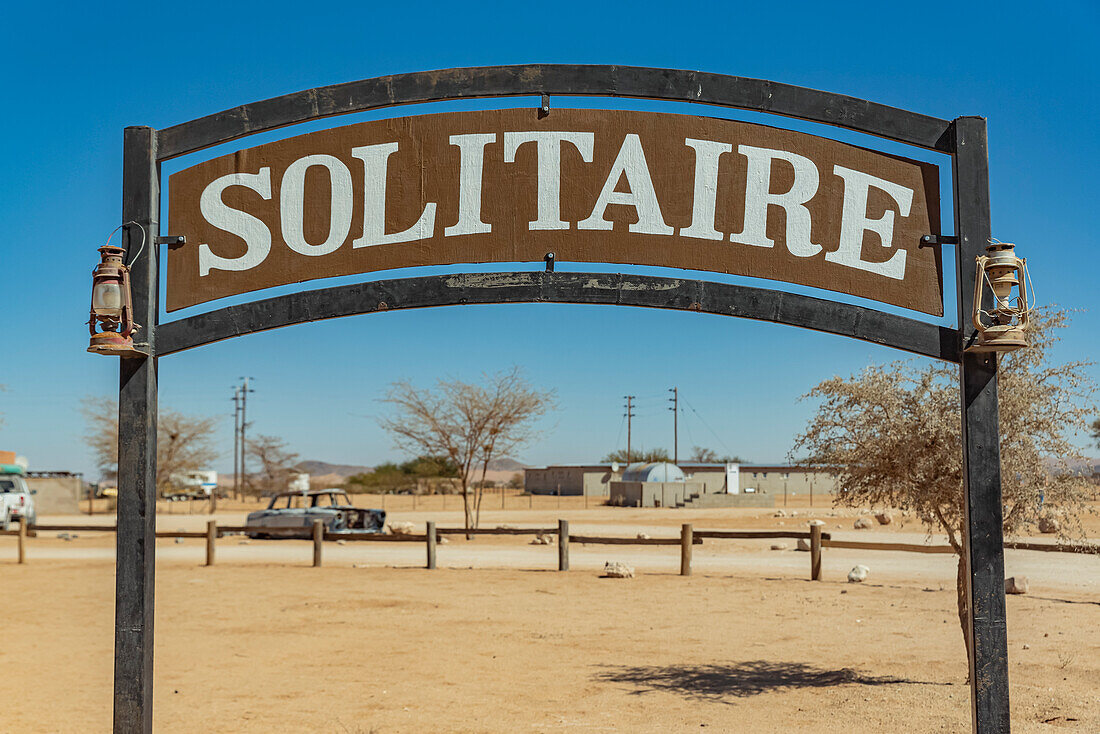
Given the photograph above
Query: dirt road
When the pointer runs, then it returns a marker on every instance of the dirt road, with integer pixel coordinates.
(261, 642)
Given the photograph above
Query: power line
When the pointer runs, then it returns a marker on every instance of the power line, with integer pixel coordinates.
(622, 423)
(704, 422)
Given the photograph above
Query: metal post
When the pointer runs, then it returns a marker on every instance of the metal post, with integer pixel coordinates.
(686, 539)
(815, 552)
(211, 537)
(318, 538)
(23, 540)
(563, 545)
(137, 444)
(981, 447)
(430, 534)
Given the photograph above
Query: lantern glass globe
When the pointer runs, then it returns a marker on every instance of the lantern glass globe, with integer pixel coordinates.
(107, 299)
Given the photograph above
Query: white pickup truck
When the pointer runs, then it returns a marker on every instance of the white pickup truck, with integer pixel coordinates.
(16, 500)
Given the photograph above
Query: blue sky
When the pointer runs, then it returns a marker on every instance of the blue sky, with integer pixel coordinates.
(76, 74)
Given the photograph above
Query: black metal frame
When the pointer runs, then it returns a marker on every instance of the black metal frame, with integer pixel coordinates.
(145, 149)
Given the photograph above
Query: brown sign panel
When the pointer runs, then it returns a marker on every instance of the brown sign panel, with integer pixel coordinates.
(608, 186)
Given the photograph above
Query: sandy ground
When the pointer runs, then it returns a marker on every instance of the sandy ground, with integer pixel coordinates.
(261, 642)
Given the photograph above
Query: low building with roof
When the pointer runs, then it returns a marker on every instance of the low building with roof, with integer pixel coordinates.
(699, 484)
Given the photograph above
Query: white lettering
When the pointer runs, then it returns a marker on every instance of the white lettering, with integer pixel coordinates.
(375, 162)
(292, 196)
(549, 145)
(256, 235)
(758, 197)
(630, 163)
(854, 222)
(707, 153)
(471, 163)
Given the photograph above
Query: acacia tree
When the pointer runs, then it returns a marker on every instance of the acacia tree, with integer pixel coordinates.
(643, 456)
(468, 423)
(184, 442)
(277, 463)
(893, 435)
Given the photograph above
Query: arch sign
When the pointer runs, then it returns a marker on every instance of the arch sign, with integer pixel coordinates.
(606, 186)
(688, 191)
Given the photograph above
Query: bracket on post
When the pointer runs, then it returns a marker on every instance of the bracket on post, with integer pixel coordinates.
(935, 240)
(171, 240)
(544, 110)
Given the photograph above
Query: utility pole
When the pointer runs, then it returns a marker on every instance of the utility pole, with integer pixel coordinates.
(675, 400)
(236, 442)
(629, 415)
(244, 390)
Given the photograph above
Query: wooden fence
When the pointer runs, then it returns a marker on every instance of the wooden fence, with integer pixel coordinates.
(688, 537)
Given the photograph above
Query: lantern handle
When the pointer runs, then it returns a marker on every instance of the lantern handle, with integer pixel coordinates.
(126, 224)
(978, 282)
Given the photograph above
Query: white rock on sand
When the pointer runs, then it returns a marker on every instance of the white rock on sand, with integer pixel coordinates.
(858, 574)
(401, 528)
(617, 570)
(803, 544)
(861, 523)
(1016, 585)
(779, 546)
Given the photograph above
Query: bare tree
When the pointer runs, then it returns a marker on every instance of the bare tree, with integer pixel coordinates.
(703, 455)
(893, 435)
(101, 433)
(277, 463)
(184, 442)
(709, 456)
(468, 423)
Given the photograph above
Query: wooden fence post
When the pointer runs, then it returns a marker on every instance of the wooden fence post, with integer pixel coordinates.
(430, 533)
(686, 539)
(318, 537)
(815, 552)
(563, 545)
(22, 540)
(211, 536)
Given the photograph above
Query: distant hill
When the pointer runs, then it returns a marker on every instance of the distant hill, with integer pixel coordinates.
(500, 470)
(506, 465)
(1087, 467)
(323, 468)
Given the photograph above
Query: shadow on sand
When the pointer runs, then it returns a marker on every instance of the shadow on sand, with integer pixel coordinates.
(739, 680)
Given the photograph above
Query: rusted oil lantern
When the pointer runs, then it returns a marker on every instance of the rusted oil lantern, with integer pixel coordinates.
(112, 319)
(1003, 328)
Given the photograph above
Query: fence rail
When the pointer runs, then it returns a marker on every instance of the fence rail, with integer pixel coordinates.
(688, 537)
(902, 547)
